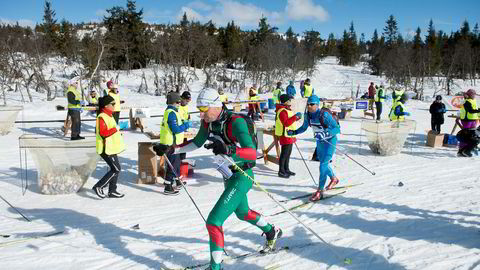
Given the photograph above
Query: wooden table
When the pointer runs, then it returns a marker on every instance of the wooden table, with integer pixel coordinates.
(261, 145)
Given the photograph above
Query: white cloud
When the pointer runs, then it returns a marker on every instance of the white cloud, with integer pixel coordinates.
(21, 22)
(200, 5)
(192, 15)
(305, 9)
(228, 10)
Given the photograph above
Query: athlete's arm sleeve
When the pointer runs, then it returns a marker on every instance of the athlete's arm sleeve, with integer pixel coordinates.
(286, 121)
(247, 150)
(196, 142)
(304, 126)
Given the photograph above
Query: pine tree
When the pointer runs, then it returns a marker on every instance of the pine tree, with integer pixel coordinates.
(50, 27)
(390, 32)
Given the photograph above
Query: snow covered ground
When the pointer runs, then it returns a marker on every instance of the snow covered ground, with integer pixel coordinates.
(432, 221)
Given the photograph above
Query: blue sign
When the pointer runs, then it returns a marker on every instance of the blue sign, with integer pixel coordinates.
(361, 105)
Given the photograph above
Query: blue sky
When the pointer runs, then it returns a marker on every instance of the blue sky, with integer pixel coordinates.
(325, 16)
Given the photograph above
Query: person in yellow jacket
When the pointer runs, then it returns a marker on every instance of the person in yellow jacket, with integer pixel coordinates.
(467, 122)
(75, 104)
(109, 143)
(398, 113)
(284, 121)
(253, 108)
(307, 90)
(172, 133)
(223, 97)
(277, 93)
(183, 111)
(113, 92)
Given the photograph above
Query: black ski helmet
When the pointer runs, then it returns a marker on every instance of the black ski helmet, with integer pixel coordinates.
(186, 95)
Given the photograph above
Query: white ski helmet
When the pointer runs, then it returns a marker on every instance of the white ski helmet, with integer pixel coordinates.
(209, 97)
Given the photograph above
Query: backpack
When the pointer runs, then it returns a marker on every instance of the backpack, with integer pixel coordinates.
(335, 117)
(252, 129)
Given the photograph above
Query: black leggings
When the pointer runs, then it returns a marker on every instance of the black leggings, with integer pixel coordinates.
(285, 158)
(110, 178)
(436, 127)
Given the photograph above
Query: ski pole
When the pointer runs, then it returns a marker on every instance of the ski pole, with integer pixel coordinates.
(15, 209)
(329, 246)
(186, 190)
(373, 173)
(305, 164)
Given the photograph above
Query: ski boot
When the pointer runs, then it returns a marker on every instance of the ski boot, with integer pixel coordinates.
(333, 182)
(178, 183)
(169, 189)
(317, 196)
(272, 236)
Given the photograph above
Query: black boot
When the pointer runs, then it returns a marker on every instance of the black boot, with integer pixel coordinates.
(169, 190)
(283, 175)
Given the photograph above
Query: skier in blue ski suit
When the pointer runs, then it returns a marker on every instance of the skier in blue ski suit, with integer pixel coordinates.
(325, 128)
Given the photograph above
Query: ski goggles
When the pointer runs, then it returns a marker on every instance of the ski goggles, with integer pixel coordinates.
(312, 104)
(203, 108)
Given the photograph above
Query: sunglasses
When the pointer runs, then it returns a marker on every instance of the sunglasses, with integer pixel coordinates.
(113, 104)
(312, 104)
(203, 108)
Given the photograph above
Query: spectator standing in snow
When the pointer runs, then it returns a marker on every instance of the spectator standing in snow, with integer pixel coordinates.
(437, 110)
(113, 92)
(109, 143)
(284, 121)
(75, 103)
(307, 89)
(325, 129)
(371, 95)
(398, 111)
(291, 89)
(379, 98)
(253, 108)
(183, 111)
(467, 121)
(172, 134)
(277, 92)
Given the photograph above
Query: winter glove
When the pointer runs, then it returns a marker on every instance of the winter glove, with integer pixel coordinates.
(298, 115)
(162, 149)
(406, 113)
(83, 102)
(218, 147)
(187, 124)
(321, 135)
(443, 110)
(290, 132)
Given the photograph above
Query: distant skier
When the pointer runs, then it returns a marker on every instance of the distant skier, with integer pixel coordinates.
(325, 129)
(231, 135)
(437, 110)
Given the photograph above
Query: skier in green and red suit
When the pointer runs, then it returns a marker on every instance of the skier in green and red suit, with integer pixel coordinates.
(233, 138)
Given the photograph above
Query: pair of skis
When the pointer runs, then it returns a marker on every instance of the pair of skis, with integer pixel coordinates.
(24, 239)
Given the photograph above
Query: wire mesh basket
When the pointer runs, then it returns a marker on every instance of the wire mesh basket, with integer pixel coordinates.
(387, 138)
(63, 165)
(8, 115)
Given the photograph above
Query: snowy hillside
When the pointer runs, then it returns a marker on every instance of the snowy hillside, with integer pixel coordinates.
(430, 221)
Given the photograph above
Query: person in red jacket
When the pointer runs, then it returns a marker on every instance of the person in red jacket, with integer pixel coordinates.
(285, 120)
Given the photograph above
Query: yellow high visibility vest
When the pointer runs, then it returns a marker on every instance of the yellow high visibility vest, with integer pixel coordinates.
(308, 90)
(116, 97)
(254, 90)
(280, 130)
(78, 97)
(93, 100)
(398, 95)
(276, 95)
(393, 116)
(464, 115)
(223, 98)
(183, 111)
(377, 95)
(166, 134)
(113, 144)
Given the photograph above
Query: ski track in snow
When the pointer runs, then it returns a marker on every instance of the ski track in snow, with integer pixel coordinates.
(431, 222)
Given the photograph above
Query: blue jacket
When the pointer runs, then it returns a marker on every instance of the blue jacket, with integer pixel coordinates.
(172, 122)
(291, 90)
(399, 111)
(314, 118)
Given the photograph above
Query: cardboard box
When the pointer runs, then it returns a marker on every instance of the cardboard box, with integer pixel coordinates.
(237, 108)
(434, 139)
(147, 164)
